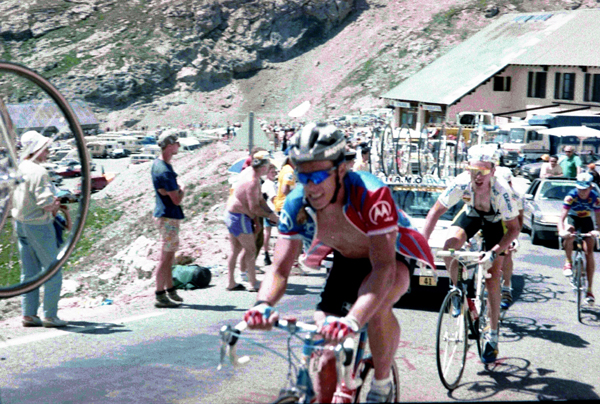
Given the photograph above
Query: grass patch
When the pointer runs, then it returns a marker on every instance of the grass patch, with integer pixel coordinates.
(10, 266)
(362, 73)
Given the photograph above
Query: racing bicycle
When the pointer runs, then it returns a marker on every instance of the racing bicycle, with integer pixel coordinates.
(579, 276)
(454, 331)
(354, 369)
(30, 102)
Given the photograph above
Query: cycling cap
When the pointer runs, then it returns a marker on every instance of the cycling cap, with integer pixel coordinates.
(32, 141)
(584, 180)
(260, 158)
(505, 173)
(483, 152)
(317, 142)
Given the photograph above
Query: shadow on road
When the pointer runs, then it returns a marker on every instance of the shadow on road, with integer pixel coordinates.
(516, 328)
(206, 307)
(514, 374)
(86, 327)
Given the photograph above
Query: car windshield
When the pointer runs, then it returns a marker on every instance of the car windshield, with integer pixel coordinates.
(555, 190)
(417, 203)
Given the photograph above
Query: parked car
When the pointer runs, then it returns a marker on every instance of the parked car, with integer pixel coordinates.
(119, 153)
(543, 204)
(141, 158)
(531, 171)
(417, 201)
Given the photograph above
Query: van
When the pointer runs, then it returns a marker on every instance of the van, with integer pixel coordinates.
(141, 158)
(101, 148)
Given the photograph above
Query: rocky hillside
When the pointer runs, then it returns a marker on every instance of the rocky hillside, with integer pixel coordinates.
(180, 61)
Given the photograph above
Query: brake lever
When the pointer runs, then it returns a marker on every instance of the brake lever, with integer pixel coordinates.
(229, 337)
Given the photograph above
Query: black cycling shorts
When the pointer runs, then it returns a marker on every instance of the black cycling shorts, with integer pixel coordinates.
(344, 280)
(492, 231)
(583, 224)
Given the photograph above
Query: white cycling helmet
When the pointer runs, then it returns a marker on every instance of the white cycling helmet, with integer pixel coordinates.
(484, 152)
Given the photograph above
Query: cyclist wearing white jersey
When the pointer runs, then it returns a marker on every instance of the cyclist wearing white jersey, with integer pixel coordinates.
(489, 208)
(374, 246)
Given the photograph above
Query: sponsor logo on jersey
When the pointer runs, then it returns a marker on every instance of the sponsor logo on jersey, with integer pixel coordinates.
(381, 210)
(466, 197)
(285, 222)
(507, 200)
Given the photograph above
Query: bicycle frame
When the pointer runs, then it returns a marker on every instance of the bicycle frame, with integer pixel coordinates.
(348, 358)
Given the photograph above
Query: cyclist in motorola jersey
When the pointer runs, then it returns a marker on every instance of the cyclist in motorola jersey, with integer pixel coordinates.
(374, 247)
(488, 204)
(577, 209)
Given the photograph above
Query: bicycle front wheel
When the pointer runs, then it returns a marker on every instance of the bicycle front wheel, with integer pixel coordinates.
(29, 102)
(578, 283)
(481, 323)
(451, 341)
(366, 371)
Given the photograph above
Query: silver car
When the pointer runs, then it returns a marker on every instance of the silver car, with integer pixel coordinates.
(542, 207)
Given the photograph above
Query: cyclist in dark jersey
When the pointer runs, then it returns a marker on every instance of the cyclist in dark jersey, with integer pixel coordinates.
(577, 209)
(374, 246)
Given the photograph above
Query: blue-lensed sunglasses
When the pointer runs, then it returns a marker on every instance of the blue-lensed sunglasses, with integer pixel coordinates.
(316, 177)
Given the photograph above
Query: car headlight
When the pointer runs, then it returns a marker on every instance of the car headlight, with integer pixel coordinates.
(546, 219)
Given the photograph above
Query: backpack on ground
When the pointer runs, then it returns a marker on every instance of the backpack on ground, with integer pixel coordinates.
(191, 277)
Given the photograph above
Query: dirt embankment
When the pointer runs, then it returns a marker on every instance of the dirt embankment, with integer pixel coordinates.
(124, 254)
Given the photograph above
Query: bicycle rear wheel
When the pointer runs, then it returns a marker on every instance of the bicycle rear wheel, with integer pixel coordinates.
(451, 342)
(389, 164)
(580, 288)
(481, 323)
(366, 371)
(29, 102)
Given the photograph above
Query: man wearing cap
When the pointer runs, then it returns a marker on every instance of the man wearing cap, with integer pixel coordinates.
(577, 210)
(571, 163)
(244, 206)
(34, 208)
(168, 215)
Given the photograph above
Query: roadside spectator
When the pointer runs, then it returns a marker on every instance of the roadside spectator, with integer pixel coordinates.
(365, 156)
(269, 191)
(592, 170)
(571, 163)
(551, 168)
(34, 209)
(286, 181)
(168, 215)
(350, 159)
(244, 207)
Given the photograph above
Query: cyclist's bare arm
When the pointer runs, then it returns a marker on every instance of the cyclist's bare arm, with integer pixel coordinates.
(382, 253)
(275, 282)
(561, 220)
(432, 218)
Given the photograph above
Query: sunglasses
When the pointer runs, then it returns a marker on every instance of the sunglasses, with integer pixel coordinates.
(477, 171)
(316, 177)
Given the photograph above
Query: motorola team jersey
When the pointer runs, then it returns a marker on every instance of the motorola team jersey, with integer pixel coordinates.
(369, 207)
(581, 207)
(502, 204)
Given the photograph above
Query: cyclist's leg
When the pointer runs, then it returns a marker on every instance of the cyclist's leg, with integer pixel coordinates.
(493, 286)
(507, 271)
(463, 228)
(568, 244)
(587, 225)
(384, 329)
(325, 382)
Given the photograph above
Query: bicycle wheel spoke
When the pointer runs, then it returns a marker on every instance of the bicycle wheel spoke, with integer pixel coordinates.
(451, 342)
(30, 103)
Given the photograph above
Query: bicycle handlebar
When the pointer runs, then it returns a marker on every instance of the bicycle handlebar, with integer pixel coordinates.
(459, 254)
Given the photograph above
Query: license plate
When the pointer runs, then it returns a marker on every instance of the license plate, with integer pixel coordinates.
(427, 281)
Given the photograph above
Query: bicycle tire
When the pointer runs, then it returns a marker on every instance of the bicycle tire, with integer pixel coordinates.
(387, 152)
(481, 324)
(365, 371)
(18, 83)
(451, 344)
(578, 268)
(287, 398)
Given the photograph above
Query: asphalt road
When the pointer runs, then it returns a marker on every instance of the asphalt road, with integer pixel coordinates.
(110, 355)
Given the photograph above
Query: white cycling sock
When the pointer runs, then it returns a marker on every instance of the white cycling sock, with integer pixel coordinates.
(381, 386)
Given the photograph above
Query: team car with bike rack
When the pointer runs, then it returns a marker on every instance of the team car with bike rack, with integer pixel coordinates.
(416, 195)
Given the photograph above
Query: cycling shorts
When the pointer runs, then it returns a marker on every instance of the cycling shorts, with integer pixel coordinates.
(492, 231)
(344, 280)
(583, 224)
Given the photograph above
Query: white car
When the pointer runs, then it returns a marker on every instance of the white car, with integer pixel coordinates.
(416, 200)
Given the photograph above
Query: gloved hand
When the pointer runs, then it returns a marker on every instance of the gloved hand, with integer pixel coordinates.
(261, 316)
(514, 246)
(565, 234)
(487, 260)
(335, 329)
(595, 233)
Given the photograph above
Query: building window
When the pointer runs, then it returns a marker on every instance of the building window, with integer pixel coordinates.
(564, 86)
(591, 87)
(536, 85)
(501, 83)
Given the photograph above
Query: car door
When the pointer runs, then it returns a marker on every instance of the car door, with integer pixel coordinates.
(529, 204)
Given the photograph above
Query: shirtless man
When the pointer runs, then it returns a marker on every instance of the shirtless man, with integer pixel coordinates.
(244, 206)
(374, 249)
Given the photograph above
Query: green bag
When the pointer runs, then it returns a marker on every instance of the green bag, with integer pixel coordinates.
(190, 277)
